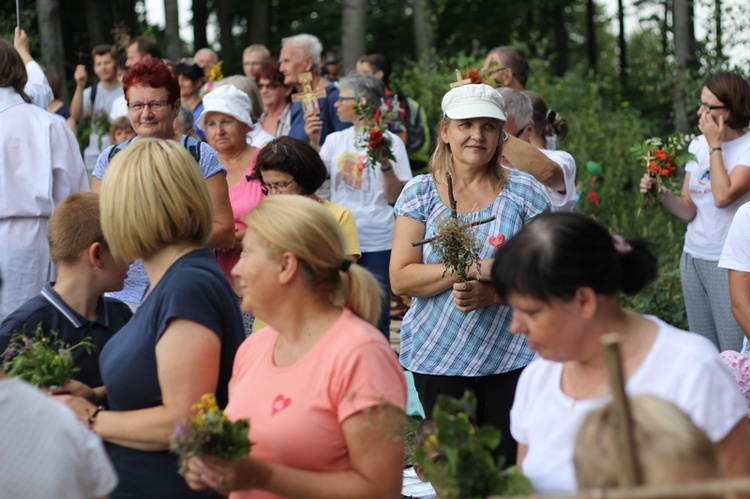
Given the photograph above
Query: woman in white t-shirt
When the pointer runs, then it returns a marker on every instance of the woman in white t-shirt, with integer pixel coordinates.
(367, 191)
(716, 184)
(562, 274)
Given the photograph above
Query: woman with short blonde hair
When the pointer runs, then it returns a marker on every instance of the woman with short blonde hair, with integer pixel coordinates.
(181, 342)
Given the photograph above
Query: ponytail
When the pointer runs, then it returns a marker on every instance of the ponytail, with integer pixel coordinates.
(639, 267)
(363, 294)
(555, 125)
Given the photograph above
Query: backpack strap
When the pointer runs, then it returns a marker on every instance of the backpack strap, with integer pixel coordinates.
(93, 96)
(117, 149)
(193, 146)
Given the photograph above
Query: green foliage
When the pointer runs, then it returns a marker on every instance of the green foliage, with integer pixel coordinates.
(40, 358)
(457, 457)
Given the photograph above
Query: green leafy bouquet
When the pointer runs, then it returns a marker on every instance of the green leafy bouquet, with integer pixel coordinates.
(41, 359)
(210, 432)
(663, 160)
(457, 456)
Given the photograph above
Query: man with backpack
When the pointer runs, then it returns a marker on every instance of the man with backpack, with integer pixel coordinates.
(95, 102)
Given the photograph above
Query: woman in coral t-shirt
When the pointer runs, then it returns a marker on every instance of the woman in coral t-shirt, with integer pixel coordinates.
(321, 385)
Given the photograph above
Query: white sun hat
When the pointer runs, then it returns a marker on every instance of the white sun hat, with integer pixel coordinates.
(473, 101)
(229, 100)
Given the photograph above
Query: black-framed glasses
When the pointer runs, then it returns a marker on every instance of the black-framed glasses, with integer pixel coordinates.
(277, 187)
(342, 99)
(155, 106)
(709, 106)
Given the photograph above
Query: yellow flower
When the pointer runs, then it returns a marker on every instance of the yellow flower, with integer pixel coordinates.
(216, 74)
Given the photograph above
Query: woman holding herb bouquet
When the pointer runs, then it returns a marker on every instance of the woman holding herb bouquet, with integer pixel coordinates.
(321, 386)
(181, 342)
(716, 184)
(368, 167)
(456, 334)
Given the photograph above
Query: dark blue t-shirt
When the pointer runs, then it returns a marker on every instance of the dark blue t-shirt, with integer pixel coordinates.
(55, 315)
(193, 288)
(328, 115)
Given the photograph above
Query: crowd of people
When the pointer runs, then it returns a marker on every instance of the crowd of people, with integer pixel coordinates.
(242, 238)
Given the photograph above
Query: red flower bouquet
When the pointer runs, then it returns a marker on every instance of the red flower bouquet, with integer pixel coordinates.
(374, 138)
(662, 159)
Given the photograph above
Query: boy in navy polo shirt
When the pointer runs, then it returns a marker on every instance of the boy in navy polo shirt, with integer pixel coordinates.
(74, 306)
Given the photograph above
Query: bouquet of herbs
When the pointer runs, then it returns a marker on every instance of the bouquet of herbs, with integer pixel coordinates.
(374, 138)
(456, 456)
(661, 159)
(100, 125)
(40, 358)
(457, 245)
(210, 432)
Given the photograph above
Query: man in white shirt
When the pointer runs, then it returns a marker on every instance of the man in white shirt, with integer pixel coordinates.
(96, 101)
(40, 165)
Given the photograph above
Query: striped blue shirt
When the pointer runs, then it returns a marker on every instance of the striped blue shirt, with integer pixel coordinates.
(437, 338)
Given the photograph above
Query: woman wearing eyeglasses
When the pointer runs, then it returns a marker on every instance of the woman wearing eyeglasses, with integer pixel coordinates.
(153, 96)
(367, 191)
(716, 184)
(276, 97)
(226, 120)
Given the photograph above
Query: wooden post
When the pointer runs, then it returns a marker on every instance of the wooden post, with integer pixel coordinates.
(632, 469)
(309, 97)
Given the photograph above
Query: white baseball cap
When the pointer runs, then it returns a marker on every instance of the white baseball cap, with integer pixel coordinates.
(473, 101)
(230, 100)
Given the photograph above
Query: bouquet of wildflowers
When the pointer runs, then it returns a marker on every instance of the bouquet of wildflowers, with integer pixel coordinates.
(661, 159)
(210, 432)
(41, 359)
(216, 74)
(374, 137)
(457, 246)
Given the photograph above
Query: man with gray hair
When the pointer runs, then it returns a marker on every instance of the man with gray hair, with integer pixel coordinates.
(555, 170)
(206, 59)
(183, 122)
(507, 66)
(301, 54)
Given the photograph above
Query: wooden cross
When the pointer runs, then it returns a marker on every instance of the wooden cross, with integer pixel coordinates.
(459, 81)
(308, 97)
(81, 54)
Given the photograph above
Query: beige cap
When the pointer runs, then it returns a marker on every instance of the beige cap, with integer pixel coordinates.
(473, 101)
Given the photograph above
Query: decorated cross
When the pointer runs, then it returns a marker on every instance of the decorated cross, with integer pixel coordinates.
(18, 13)
(459, 80)
(308, 97)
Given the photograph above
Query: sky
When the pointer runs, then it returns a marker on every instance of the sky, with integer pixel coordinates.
(739, 55)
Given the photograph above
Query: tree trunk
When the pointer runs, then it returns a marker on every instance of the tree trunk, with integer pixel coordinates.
(226, 18)
(424, 39)
(353, 19)
(561, 39)
(682, 26)
(200, 20)
(622, 45)
(260, 20)
(98, 20)
(51, 39)
(173, 47)
(717, 20)
(591, 48)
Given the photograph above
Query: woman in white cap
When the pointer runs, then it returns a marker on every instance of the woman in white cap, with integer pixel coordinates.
(456, 336)
(226, 121)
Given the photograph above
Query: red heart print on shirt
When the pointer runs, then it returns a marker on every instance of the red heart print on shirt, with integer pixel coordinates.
(497, 241)
(280, 403)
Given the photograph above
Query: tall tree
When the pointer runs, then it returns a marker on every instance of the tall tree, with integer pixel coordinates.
(717, 21)
(353, 19)
(561, 38)
(173, 45)
(98, 22)
(684, 39)
(621, 44)
(424, 35)
(51, 38)
(200, 21)
(591, 49)
(260, 20)
(226, 22)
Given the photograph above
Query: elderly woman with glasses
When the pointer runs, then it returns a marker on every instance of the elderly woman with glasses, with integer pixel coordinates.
(227, 121)
(153, 96)
(277, 115)
(716, 184)
(368, 192)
